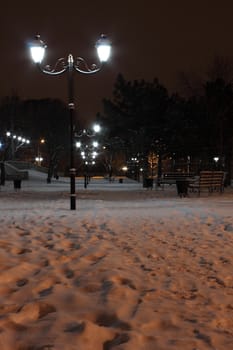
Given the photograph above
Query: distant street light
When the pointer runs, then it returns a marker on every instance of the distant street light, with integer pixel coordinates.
(39, 160)
(89, 132)
(88, 149)
(16, 142)
(216, 162)
(69, 65)
(39, 157)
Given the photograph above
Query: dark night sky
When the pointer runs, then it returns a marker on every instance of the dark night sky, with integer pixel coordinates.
(150, 39)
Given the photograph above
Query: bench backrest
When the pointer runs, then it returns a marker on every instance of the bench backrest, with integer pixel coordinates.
(218, 178)
(211, 178)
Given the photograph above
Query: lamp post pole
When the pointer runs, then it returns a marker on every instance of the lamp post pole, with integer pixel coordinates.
(37, 48)
(71, 107)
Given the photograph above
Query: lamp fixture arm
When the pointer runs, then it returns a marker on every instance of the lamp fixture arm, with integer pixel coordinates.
(84, 132)
(81, 66)
(60, 67)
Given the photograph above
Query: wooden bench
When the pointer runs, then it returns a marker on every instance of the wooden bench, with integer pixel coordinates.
(172, 178)
(212, 181)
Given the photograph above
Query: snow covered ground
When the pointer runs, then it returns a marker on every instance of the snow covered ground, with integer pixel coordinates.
(130, 269)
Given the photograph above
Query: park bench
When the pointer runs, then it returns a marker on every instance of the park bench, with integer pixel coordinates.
(172, 178)
(211, 181)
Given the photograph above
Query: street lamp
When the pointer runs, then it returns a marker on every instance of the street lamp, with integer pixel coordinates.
(87, 148)
(96, 128)
(216, 161)
(69, 65)
(39, 159)
(16, 142)
(88, 153)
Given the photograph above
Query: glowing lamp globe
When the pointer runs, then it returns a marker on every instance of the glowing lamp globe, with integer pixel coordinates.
(103, 48)
(37, 49)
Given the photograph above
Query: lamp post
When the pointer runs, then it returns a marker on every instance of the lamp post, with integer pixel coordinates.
(70, 65)
(39, 157)
(87, 150)
(216, 163)
(88, 153)
(38, 160)
(16, 142)
(96, 128)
